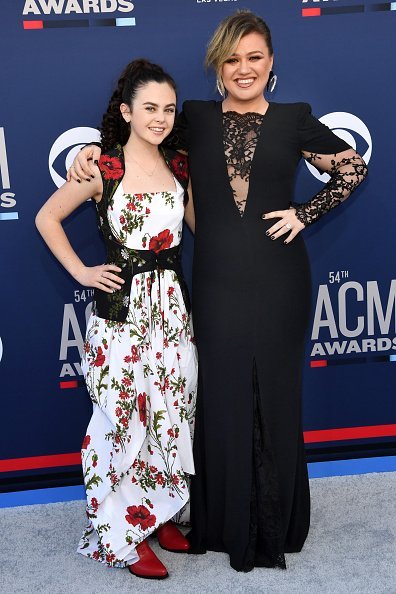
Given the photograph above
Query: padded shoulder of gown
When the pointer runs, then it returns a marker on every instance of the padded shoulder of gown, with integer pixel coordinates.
(314, 136)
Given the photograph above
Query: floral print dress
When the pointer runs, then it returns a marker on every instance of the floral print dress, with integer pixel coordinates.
(141, 376)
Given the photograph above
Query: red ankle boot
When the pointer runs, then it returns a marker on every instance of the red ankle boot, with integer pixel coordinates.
(171, 539)
(148, 566)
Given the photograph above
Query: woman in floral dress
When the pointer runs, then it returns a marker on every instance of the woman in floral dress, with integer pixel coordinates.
(139, 358)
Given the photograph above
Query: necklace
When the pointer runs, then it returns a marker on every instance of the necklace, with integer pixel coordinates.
(150, 174)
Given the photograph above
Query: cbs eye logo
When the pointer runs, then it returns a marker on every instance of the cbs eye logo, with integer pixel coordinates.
(66, 147)
(343, 124)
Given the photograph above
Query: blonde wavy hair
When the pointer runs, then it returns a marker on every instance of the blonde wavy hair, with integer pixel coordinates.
(227, 36)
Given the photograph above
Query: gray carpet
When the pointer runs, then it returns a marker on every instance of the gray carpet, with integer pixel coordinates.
(351, 549)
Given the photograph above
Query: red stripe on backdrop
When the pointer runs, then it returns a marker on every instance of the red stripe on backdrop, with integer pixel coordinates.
(33, 24)
(34, 462)
(69, 384)
(325, 435)
(319, 363)
(349, 433)
(311, 12)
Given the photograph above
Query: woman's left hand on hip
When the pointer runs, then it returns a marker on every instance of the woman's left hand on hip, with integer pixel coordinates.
(288, 223)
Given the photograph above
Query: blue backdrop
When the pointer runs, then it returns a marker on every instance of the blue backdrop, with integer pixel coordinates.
(60, 62)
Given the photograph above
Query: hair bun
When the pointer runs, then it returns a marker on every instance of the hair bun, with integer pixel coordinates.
(141, 66)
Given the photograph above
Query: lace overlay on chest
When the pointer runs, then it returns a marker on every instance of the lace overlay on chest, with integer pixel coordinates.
(240, 135)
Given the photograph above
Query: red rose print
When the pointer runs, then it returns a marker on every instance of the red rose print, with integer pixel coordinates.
(179, 166)
(171, 290)
(160, 479)
(86, 347)
(140, 515)
(110, 167)
(142, 408)
(118, 411)
(96, 555)
(161, 241)
(94, 504)
(158, 355)
(170, 432)
(100, 358)
(135, 354)
(86, 442)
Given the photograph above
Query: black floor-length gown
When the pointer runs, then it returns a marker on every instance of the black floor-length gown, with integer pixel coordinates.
(251, 302)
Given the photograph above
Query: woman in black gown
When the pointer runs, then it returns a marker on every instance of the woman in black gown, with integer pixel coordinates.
(251, 298)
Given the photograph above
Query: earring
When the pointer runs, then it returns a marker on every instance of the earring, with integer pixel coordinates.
(272, 80)
(220, 87)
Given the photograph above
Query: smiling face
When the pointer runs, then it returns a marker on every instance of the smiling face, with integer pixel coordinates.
(152, 113)
(245, 73)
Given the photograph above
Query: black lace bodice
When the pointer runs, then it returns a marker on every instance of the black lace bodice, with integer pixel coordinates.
(240, 136)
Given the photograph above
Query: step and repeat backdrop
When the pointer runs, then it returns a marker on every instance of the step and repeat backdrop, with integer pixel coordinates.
(60, 62)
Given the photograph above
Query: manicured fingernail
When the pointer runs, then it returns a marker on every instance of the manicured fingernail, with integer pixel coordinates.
(267, 232)
(272, 236)
(263, 216)
(87, 178)
(96, 162)
(79, 181)
(285, 242)
(92, 176)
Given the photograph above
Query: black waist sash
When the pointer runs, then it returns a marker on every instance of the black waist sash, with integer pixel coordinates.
(115, 306)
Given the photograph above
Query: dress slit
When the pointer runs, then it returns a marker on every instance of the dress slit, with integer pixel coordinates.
(265, 547)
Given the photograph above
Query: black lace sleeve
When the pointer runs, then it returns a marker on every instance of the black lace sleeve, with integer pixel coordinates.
(345, 176)
(345, 173)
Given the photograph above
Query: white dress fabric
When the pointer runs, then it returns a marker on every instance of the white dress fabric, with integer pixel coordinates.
(141, 376)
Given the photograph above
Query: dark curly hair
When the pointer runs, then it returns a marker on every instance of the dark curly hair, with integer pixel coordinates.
(138, 73)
